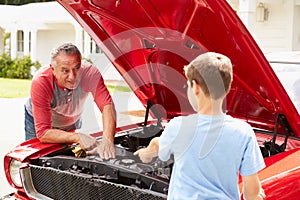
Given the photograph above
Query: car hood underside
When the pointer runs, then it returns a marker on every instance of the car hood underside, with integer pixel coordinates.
(149, 42)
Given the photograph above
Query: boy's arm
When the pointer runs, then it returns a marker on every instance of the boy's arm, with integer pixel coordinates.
(147, 154)
(252, 189)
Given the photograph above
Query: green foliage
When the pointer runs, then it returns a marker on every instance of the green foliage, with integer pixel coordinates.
(113, 88)
(87, 60)
(5, 63)
(18, 68)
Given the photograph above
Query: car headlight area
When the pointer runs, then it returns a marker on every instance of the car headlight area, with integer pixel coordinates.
(14, 172)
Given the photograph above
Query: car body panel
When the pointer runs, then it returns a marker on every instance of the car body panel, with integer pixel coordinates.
(283, 186)
(280, 178)
(33, 148)
(27, 150)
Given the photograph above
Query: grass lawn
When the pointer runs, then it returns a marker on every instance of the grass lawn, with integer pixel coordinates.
(14, 88)
(19, 88)
(113, 89)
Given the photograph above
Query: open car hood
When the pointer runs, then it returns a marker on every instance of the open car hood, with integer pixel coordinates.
(149, 42)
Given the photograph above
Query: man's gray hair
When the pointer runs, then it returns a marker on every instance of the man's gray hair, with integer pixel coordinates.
(67, 48)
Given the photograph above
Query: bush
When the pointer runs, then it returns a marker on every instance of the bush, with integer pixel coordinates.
(17, 68)
(5, 63)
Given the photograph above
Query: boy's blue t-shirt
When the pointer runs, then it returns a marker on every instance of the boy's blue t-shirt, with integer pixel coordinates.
(209, 152)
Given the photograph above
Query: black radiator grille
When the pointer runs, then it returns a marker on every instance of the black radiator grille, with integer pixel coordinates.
(58, 184)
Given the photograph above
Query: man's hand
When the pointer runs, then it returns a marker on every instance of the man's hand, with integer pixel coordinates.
(87, 142)
(105, 149)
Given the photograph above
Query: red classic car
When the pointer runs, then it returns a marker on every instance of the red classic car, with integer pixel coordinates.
(149, 42)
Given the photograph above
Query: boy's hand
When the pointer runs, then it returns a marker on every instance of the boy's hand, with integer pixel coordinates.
(261, 195)
(146, 155)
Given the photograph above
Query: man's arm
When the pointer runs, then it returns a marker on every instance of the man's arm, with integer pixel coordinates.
(109, 122)
(252, 189)
(93, 82)
(147, 154)
(86, 142)
(106, 148)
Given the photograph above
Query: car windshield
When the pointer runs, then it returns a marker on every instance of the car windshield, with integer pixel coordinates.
(289, 75)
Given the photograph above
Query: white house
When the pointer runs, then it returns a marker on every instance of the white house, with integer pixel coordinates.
(34, 29)
(274, 24)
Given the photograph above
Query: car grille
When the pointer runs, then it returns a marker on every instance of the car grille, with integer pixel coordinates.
(58, 184)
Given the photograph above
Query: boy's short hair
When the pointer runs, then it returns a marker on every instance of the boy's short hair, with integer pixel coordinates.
(213, 72)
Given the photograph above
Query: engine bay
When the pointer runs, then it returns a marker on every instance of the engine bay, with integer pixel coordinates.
(125, 169)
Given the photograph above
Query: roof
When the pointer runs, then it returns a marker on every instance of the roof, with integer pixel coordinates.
(33, 13)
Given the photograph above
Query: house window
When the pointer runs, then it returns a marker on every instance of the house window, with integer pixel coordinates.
(29, 41)
(20, 41)
(94, 47)
(91, 45)
(98, 50)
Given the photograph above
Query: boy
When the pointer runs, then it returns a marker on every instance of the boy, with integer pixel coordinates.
(210, 148)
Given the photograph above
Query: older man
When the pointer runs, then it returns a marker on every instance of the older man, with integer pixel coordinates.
(57, 96)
